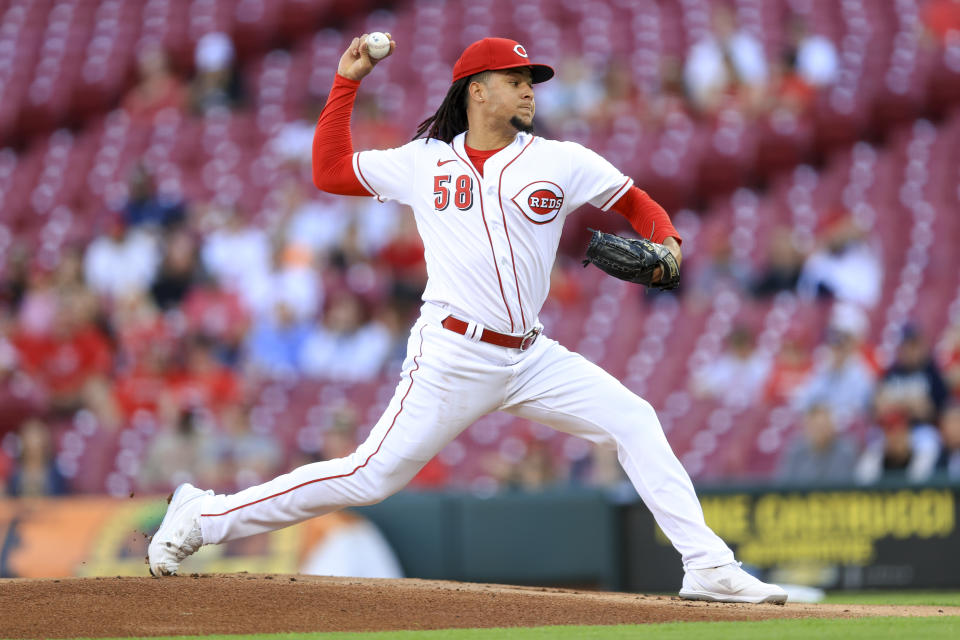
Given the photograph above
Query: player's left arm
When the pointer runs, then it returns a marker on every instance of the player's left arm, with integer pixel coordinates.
(594, 180)
(650, 220)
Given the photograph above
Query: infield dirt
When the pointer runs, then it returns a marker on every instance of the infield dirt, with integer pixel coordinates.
(200, 604)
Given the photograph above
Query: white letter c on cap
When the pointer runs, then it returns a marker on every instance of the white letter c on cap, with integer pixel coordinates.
(520, 51)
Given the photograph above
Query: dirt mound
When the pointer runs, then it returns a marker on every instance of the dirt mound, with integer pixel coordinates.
(248, 603)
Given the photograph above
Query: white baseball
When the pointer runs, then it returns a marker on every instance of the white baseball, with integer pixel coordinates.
(378, 45)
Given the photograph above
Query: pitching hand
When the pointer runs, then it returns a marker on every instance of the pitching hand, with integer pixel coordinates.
(356, 63)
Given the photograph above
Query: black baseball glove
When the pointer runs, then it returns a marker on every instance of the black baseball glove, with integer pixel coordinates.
(633, 260)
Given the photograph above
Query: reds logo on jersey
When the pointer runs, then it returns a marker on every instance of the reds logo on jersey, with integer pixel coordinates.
(539, 201)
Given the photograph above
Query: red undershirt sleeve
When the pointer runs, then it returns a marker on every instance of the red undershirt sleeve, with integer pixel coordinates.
(332, 144)
(646, 216)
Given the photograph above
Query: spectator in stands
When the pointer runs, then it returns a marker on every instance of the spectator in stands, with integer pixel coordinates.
(145, 206)
(121, 261)
(72, 353)
(183, 451)
(843, 378)
(68, 274)
(816, 55)
(914, 379)
(142, 385)
(790, 91)
(14, 277)
(217, 83)
(20, 396)
(719, 271)
(100, 400)
(340, 439)
(403, 258)
(293, 143)
(783, 265)
(791, 369)
(721, 61)
(233, 251)
(138, 327)
(275, 343)
(737, 376)
(940, 18)
(290, 280)
(38, 303)
(393, 318)
(374, 129)
(576, 90)
(845, 267)
(706, 74)
(217, 314)
(950, 359)
(35, 472)
(895, 449)
(565, 287)
(200, 380)
(344, 345)
(948, 463)
(317, 223)
(536, 472)
(660, 105)
(599, 467)
(179, 270)
(244, 457)
(818, 454)
(157, 87)
(619, 94)
(375, 224)
(6, 468)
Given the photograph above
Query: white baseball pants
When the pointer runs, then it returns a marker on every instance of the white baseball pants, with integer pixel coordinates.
(447, 383)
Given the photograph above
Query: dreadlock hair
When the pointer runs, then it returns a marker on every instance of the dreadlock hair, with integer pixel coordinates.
(450, 120)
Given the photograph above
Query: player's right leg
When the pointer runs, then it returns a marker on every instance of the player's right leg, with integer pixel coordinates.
(443, 389)
(563, 390)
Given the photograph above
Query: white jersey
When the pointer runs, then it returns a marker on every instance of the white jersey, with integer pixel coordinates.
(490, 244)
(490, 241)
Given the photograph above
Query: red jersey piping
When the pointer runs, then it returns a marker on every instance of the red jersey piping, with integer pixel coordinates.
(610, 199)
(363, 179)
(506, 232)
(493, 254)
(342, 475)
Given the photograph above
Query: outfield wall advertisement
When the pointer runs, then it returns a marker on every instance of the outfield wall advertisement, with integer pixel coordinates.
(98, 536)
(895, 537)
(833, 539)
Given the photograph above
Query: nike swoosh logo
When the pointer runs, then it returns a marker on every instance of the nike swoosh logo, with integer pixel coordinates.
(440, 163)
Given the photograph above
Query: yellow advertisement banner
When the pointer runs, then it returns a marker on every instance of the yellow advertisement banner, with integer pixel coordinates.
(829, 527)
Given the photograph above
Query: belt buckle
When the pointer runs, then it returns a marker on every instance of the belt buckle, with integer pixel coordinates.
(529, 338)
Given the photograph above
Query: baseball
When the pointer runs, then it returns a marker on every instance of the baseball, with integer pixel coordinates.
(378, 45)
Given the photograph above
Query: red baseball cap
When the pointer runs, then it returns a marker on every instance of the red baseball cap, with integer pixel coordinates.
(495, 54)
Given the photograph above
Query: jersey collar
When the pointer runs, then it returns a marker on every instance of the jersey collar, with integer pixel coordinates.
(498, 160)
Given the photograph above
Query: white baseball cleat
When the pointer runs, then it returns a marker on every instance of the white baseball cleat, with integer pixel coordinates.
(179, 534)
(729, 583)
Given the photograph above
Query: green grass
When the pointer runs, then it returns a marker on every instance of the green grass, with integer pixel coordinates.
(822, 629)
(932, 598)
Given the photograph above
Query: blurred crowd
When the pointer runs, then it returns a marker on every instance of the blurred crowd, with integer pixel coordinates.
(177, 312)
(859, 421)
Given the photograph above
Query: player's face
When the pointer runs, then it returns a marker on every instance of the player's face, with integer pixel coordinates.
(510, 97)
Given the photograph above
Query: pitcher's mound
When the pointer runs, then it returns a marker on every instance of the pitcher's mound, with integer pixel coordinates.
(248, 603)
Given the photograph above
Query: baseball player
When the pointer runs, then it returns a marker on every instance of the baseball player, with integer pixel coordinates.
(490, 199)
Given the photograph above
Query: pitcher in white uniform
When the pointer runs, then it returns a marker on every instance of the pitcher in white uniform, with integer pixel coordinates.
(490, 199)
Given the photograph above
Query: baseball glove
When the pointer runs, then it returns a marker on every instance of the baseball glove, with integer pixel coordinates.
(633, 260)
